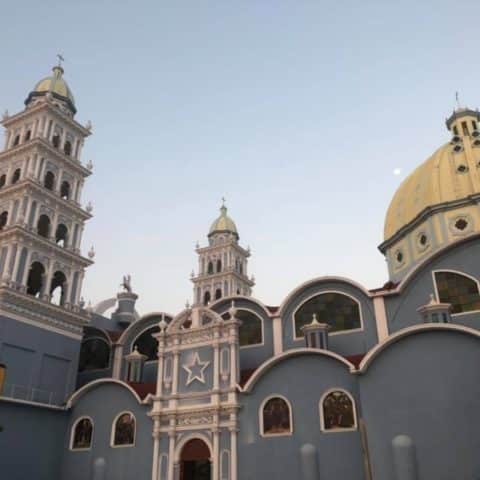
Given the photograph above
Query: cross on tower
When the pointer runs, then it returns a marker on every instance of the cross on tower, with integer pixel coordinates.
(60, 59)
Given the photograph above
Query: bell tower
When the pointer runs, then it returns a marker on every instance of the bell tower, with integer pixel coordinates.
(222, 265)
(41, 219)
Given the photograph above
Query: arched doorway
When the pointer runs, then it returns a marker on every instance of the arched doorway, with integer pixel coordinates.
(195, 461)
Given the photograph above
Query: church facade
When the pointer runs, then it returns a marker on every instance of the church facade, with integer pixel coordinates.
(336, 382)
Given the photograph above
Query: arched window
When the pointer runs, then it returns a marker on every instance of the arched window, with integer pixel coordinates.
(340, 311)
(123, 430)
(94, 354)
(35, 280)
(206, 298)
(276, 417)
(61, 235)
(251, 329)
(16, 176)
(218, 293)
(3, 180)
(210, 267)
(82, 433)
(219, 265)
(28, 135)
(16, 141)
(147, 344)
(3, 219)
(459, 290)
(65, 190)
(49, 180)
(56, 140)
(43, 226)
(337, 411)
(58, 288)
(67, 148)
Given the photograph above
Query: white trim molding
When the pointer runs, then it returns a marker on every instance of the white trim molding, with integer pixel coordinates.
(261, 426)
(271, 362)
(322, 418)
(95, 383)
(378, 349)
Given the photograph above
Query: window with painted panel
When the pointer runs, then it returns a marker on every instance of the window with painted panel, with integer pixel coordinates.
(338, 411)
(276, 417)
(82, 434)
(459, 290)
(339, 311)
(124, 430)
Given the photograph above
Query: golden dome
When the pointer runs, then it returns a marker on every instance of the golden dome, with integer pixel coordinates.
(223, 223)
(450, 174)
(56, 85)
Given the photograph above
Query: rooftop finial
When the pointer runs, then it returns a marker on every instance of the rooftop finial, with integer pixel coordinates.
(223, 208)
(60, 60)
(457, 100)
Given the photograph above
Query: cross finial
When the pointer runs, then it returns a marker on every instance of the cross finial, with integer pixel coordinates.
(60, 59)
(457, 99)
(223, 201)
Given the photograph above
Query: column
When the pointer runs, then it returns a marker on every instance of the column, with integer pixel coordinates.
(63, 139)
(161, 354)
(27, 269)
(176, 354)
(47, 282)
(171, 450)
(79, 287)
(216, 449)
(27, 213)
(68, 290)
(233, 453)
(54, 224)
(17, 262)
(117, 360)
(156, 447)
(8, 259)
(59, 183)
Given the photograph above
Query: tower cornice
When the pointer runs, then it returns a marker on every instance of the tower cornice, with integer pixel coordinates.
(48, 106)
(19, 232)
(234, 245)
(39, 144)
(30, 185)
(223, 273)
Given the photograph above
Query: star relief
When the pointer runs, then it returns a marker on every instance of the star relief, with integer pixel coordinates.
(196, 369)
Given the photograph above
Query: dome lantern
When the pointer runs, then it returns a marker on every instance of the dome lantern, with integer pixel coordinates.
(223, 224)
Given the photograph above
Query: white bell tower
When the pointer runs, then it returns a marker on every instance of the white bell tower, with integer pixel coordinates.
(222, 265)
(41, 219)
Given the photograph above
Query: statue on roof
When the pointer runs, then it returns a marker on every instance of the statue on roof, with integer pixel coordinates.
(127, 283)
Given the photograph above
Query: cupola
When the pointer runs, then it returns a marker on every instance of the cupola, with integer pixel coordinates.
(435, 311)
(55, 86)
(316, 334)
(223, 224)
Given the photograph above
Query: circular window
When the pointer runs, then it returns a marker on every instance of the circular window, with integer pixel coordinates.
(423, 239)
(399, 257)
(457, 148)
(462, 169)
(461, 224)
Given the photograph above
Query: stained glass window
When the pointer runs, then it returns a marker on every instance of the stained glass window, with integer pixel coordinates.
(459, 290)
(276, 417)
(337, 310)
(94, 354)
(124, 433)
(338, 411)
(82, 434)
(250, 332)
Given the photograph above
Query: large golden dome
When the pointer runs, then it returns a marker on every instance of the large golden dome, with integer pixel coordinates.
(56, 85)
(223, 223)
(452, 173)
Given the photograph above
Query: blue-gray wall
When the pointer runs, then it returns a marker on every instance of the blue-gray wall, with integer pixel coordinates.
(32, 442)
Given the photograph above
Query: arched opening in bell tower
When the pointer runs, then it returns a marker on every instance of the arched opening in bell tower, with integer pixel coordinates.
(65, 190)
(61, 235)
(58, 288)
(195, 461)
(43, 226)
(3, 219)
(49, 180)
(206, 298)
(36, 276)
(218, 293)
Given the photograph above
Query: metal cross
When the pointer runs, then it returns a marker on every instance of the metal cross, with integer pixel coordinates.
(60, 59)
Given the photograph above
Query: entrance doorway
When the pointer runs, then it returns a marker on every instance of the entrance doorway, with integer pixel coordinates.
(195, 461)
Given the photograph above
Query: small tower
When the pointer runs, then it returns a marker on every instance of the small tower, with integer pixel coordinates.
(222, 265)
(435, 312)
(316, 334)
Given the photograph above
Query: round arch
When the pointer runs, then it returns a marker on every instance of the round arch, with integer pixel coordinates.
(187, 438)
(322, 411)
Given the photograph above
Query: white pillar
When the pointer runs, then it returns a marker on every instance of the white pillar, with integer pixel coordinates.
(6, 267)
(216, 448)
(156, 447)
(117, 360)
(171, 452)
(233, 453)
(17, 262)
(176, 355)
(27, 268)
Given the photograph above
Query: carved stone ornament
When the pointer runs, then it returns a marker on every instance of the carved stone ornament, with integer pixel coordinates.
(195, 369)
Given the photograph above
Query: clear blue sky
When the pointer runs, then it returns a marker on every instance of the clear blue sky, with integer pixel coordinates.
(297, 111)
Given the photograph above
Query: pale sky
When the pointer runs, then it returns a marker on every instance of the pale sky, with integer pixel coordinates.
(298, 112)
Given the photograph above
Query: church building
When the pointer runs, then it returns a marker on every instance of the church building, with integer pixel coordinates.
(336, 382)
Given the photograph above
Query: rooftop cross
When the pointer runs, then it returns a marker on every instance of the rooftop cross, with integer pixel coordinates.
(60, 59)
(457, 100)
